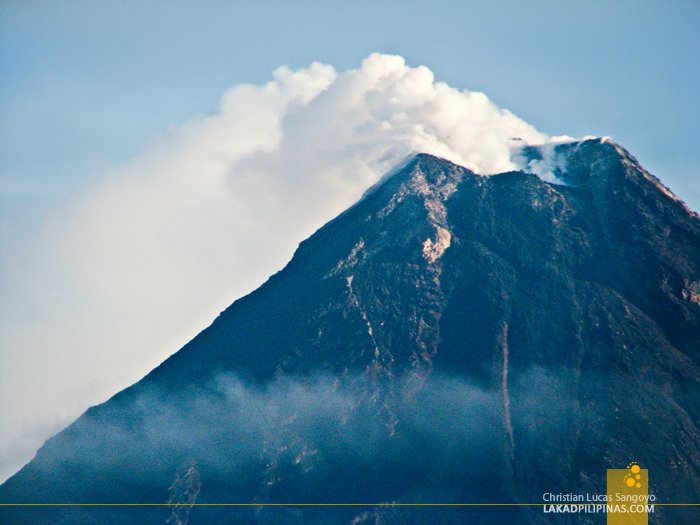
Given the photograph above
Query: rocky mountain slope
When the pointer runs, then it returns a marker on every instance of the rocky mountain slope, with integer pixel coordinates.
(451, 338)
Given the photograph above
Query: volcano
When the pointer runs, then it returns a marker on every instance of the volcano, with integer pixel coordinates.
(448, 350)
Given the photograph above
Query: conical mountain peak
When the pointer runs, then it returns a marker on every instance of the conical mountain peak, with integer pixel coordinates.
(449, 338)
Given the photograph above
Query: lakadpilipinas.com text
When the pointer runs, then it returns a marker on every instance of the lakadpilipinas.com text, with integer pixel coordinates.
(599, 503)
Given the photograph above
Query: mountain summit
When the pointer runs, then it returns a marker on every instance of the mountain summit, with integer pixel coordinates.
(451, 338)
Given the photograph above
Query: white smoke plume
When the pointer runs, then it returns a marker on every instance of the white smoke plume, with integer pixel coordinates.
(147, 254)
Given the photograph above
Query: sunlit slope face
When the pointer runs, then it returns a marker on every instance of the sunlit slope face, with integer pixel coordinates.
(450, 338)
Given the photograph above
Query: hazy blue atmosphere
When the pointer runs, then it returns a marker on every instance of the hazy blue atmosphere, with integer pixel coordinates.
(136, 171)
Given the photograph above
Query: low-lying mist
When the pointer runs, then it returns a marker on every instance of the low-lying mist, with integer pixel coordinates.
(283, 440)
(358, 441)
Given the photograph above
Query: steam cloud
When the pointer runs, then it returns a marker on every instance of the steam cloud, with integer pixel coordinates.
(148, 253)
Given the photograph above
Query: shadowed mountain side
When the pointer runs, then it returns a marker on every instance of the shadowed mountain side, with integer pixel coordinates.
(450, 338)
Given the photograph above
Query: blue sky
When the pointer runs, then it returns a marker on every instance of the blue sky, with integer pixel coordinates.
(94, 92)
